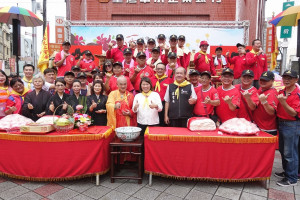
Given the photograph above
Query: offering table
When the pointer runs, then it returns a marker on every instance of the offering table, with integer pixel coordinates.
(208, 155)
(56, 156)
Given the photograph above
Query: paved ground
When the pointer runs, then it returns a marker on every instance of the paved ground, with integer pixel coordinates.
(162, 188)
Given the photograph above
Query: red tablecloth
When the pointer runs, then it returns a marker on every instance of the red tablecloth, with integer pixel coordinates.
(55, 156)
(178, 152)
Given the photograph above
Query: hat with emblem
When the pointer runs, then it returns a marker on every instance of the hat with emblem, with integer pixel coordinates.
(172, 37)
(240, 45)
(181, 37)
(267, 76)
(66, 43)
(206, 73)
(157, 49)
(140, 54)
(140, 41)
(290, 73)
(96, 70)
(75, 67)
(69, 73)
(151, 40)
(248, 72)
(88, 53)
(172, 55)
(161, 36)
(193, 72)
(127, 51)
(117, 64)
(81, 74)
(227, 71)
(120, 36)
(202, 43)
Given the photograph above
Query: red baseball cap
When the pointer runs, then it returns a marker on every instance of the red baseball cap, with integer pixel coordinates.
(204, 43)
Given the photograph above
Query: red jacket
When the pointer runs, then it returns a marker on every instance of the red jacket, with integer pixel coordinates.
(239, 63)
(116, 54)
(201, 65)
(258, 64)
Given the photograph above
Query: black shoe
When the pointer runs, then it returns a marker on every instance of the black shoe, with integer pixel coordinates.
(285, 182)
(279, 175)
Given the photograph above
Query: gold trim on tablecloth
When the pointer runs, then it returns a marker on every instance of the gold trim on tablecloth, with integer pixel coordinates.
(216, 139)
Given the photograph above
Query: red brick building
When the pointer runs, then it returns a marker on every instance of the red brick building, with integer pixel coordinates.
(170, 10)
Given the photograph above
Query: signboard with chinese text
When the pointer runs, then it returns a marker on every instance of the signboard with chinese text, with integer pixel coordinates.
(59, 29)
(286, 31)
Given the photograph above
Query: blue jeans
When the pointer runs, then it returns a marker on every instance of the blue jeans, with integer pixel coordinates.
(289, 132)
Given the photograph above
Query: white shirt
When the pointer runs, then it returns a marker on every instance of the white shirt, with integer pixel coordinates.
(46, 86)
(146, 115)
(167, 97)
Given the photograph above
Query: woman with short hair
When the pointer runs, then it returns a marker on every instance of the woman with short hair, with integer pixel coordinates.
(35, 104)
(147, 105)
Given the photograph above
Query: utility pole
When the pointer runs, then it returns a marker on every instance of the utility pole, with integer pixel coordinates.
(44, 16)
(34, 45)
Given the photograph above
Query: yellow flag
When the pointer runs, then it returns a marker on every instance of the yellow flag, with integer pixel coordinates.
(275, 50)
(44, 56)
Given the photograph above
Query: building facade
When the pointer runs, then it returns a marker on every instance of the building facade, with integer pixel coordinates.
(5, 44)
(170, 10)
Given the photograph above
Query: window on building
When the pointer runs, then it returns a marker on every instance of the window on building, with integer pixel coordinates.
(7, 36)
(1, 48)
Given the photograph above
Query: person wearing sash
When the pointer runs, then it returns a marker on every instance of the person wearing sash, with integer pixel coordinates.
(154, 60)
(180, 99)
(204, 61)
(160, 82)
(207, 98)
(147, 105)
(128, 61)
(264, 115)
(28, 70)
(288, 113)
(140, 48)
(111, 80)
(77, 98)
(172, 65)
(249, 99)
(256, 61)
(64, 60)
(16, 98)
(119, 106)
(96, 104)
(116, 53)
(220, 61)
(150, 46)
(229, 96)
(161, 42)
(35, 103)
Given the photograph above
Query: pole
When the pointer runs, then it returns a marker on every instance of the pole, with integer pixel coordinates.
(16, 42)
(34, 42)
(298, 47)
(284, 53)
(44, 15)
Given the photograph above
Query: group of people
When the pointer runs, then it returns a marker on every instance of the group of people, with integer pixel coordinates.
(149, 87)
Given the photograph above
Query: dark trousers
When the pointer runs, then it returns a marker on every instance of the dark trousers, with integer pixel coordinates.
(272, 132)
(161, 115)
(143, 127)
(181, 122)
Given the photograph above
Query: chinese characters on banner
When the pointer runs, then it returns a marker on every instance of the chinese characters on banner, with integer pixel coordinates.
(169, 1)
(59, 29)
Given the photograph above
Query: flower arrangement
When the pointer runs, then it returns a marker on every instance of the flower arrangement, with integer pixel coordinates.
(82, 121)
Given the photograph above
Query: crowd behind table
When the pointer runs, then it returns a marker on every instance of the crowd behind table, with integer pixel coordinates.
(151, 85)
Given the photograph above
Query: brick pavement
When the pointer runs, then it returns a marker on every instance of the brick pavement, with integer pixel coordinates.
(162, 189)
